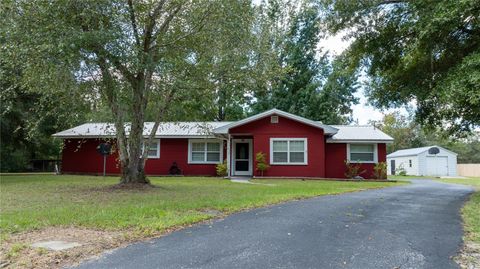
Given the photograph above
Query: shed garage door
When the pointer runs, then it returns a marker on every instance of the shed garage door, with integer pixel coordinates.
(437, 166)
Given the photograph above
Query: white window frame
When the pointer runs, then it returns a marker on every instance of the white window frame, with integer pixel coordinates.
(156, 156)
(205, 141)
(288, 139)
(375, 153)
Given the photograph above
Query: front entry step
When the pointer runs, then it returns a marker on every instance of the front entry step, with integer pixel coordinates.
(242, 179)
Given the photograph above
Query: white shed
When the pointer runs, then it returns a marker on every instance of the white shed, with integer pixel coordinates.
(423, 162)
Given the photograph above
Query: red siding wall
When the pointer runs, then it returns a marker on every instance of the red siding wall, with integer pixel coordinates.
(87, 160)
(262, 130)
(336, 154)
(81, 156)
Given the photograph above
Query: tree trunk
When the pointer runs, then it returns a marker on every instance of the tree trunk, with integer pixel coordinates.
(133, 171)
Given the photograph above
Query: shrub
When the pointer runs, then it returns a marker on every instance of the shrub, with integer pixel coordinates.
(353, 170)
(380, 170)
(222, 169)
(262, 164)
(401, 171)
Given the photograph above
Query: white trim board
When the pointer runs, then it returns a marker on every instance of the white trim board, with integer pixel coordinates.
(190, 141)
(250, 157)
(375, 153)
(305, 141)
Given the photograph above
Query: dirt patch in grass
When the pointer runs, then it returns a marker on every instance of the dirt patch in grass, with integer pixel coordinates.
(16, 251)
(469, 257)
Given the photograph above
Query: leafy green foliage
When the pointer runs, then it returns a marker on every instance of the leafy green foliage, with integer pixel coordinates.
(29, 116)
(427, 52)
(311, 84)
(407, 133)
(140, 60)
(353, 170)
(401, 171)
(222, 169)
(261, 162)
(380, 170)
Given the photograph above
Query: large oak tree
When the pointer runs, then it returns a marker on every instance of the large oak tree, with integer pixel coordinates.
(138, 57)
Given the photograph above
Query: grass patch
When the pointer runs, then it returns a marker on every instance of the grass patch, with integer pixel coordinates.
(37, 201)
(469, 257)
(471, 210)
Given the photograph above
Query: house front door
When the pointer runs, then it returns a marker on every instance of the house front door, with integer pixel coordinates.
(242, 157)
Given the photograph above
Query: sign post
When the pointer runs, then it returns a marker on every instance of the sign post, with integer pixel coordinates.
(104, 149)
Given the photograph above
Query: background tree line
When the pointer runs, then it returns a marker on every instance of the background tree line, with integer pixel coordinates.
(69, 62)
(408, 133)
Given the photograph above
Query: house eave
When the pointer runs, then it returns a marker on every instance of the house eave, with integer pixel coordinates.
(343, 141)
(112, 136)
(328, 130)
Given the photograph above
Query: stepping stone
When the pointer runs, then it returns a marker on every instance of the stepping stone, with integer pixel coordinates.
(55, 245)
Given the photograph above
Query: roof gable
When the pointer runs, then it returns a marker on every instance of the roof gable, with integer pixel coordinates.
(326, 128)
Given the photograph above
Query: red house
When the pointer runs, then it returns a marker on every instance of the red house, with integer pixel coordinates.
(294, 147)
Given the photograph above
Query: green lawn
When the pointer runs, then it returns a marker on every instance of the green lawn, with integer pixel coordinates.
(471, 210)
(34, 201)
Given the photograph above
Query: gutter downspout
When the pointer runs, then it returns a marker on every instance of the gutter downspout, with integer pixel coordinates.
(228, 155)
(228, 138)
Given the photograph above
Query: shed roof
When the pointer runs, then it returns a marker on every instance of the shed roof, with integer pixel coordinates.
(414, 151)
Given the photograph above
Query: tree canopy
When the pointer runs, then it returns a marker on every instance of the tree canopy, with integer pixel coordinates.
(426, 52)
(312, 84)
(407, 133)
(135, 58)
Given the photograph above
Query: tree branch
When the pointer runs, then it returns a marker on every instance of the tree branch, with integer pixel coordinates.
(151, 25)
(109, 95)
(163, 28)
(134, 22)
(195, 29)
(387, 2)
(158, 119)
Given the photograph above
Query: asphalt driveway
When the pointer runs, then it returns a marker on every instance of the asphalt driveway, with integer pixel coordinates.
(413, 226)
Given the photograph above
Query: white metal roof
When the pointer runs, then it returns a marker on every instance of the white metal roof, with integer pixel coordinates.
(414, 151)
(338, 133)
(327, 129)
(359, 133)
(167, 129)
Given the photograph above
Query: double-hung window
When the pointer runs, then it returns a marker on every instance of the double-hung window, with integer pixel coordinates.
(362, 153)
(154, 150)
(205, 151)
(289, 151)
